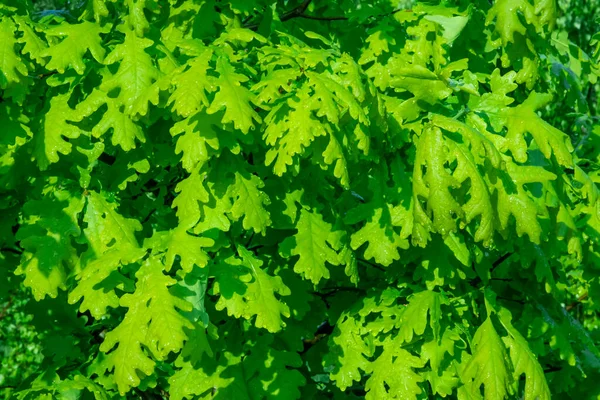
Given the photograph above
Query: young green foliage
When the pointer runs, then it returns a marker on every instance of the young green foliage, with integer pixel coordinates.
(299, 199)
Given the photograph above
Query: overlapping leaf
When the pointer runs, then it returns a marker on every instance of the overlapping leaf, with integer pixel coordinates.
(247, 290)
(270, 175)
(153, 321)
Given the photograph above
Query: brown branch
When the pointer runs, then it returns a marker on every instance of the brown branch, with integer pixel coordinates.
(44, 75)
(477, 280)
(333, 290)
(577, 302)
(344, 18)
(499, 261)
(296, 12)
(370, 264)
(4, 311)
(313, 17)
(148, 216)
(323, 330)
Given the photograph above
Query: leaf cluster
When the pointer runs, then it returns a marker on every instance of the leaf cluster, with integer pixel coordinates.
(302, 199)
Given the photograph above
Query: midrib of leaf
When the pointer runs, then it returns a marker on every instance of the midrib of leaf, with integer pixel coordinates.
(243, 370)
(137, 67)
(497, 382)
(4, 49)
(253, 268)
(233, 88)
(255, 206)
(495, 358)
(312, 242)
(130, 239)
(468, 157)
(568, 46)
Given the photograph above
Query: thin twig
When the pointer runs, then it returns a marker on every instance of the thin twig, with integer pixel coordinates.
(148, 216)
(477, 280)
(371, 264)
(499, 261)
(314, 17)
(577, 302)
(323, 330)
(333, 290)
(44, 75)
(509, 299)
(552, 369)
(343, 18)
(296, 12)
(4, 311)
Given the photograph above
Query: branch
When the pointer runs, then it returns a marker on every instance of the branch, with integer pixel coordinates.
(4, 311)
(343, 18)
(296, 12)
(370, 264)
(323, 331)
(148, 216)
(499, 261)
(552, 369)
(509, 299)
(44, 75)
(577, 302)
(477, 280)
(333, 290)
(313, 17)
